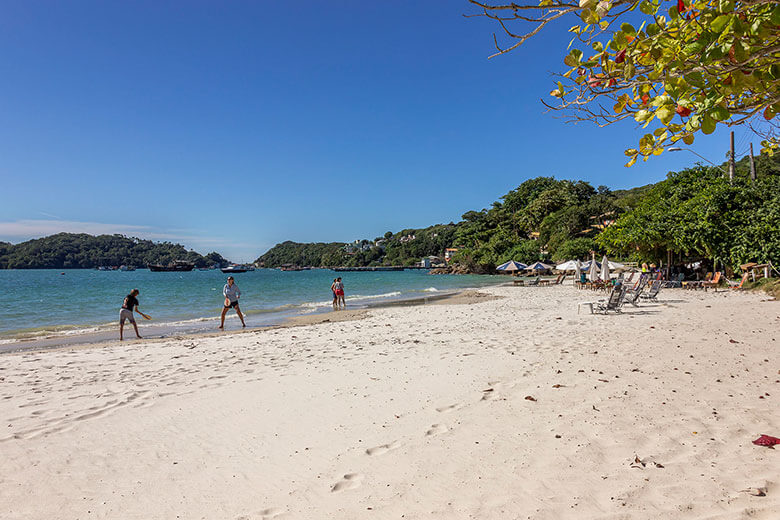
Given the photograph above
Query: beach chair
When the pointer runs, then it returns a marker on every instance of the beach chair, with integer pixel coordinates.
(632, 295)
(674, 282)
(613, 303)
(737, 285)
(655, 288)
(535, 282)
(696, 284)
(712, 283)
(630, 277)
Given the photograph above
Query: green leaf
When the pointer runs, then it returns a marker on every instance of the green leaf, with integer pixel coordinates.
(627, 28)
(589, 16)
(643, 115)
(630, 163)
(707, 124)
(776, 15)
(688, 139)
(665, 114)
(647, 8)
(695, 79)
(720, 23)
(720, 113)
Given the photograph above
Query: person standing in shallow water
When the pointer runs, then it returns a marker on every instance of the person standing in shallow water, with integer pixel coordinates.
(335, 296)
(129, 305)
(232, 293)
(338, 287)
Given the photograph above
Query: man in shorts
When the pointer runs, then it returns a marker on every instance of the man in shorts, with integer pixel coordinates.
(126, 312)
(232, 293)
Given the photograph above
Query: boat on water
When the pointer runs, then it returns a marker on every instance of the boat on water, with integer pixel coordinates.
(176, 266)
(238, 268)
(127, 268)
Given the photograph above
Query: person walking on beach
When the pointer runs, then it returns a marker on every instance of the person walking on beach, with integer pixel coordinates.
(339, 290)
(126, 313)
(232, 293)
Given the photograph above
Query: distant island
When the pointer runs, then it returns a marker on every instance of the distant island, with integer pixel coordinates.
(81, 251)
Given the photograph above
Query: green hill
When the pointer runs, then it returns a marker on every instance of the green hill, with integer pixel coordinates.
(69, 250)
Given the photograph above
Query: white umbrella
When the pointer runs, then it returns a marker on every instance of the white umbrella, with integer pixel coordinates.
(577, 272)
(567, 266)
(616, 266)
(593, 271)
(605, 269)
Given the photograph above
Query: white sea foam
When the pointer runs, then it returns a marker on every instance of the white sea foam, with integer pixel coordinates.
(430, 289)
(352, 298)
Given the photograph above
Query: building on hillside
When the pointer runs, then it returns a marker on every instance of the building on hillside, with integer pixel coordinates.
(407, 238)
(449, 253)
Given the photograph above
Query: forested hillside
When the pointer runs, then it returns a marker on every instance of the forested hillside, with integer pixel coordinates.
(694, 214)
(69, 250)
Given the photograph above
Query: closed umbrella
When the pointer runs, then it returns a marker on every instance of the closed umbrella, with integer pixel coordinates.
(605, 269)
(577, 272)
(593, 271)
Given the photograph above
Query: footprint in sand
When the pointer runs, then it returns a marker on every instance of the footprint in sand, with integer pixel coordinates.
(448, 408)
(384, 448)
(350, 481)
(436, 429)
(271, 512)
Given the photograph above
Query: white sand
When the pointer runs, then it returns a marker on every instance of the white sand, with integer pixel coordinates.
(414, 412)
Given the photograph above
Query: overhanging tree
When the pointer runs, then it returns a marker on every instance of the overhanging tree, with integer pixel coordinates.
(688, 66)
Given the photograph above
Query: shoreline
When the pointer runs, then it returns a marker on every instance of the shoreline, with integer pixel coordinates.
(316, 316)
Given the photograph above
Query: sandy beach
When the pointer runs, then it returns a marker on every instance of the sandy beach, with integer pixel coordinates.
(500, 404)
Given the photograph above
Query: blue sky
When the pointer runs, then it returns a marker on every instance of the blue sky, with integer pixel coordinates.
(232, 126)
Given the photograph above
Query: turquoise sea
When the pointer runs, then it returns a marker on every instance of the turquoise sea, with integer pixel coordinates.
(52, 303)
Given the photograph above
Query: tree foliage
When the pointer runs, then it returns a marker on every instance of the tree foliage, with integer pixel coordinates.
(69, 250)
(535, 221)
(697, 213)
(684, 66)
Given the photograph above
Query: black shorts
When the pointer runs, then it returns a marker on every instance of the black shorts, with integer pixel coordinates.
(232, 305)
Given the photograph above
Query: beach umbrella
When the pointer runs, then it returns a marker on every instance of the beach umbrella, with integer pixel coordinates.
(538, 266)
(605, 269)
(585, 266)
(577, 271)
(571, 265)
(616, 266)
(511, 266)
(593, 271)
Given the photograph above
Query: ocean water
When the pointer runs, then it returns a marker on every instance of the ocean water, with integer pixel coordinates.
(50, 303)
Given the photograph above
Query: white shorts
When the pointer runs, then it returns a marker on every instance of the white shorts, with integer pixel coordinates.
(125, 314)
